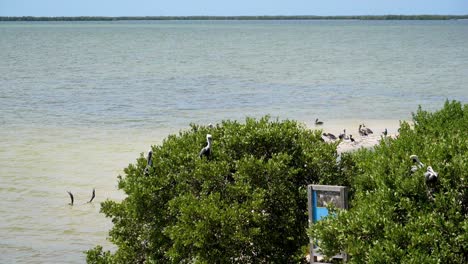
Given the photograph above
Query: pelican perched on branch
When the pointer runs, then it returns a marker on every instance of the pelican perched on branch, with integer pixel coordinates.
(149, 159)
(206, 151)
(417, 163)
(430, 175)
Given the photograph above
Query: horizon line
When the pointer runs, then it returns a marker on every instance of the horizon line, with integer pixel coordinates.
(240, 17)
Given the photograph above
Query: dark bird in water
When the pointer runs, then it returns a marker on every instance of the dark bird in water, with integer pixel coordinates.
(206, 151)
(93, 195)
(417, 163)
(430, 175)
(351, 138)
(149, 159)
(362, 131)
(71, 197)
(329, 136)
(317, 122)
(385, 132)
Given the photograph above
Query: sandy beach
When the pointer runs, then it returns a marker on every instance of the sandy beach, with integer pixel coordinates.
(336, 127)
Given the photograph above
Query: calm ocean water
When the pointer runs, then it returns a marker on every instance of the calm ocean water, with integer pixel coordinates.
(79, 101)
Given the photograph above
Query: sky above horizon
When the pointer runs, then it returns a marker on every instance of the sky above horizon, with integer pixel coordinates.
(229, 8)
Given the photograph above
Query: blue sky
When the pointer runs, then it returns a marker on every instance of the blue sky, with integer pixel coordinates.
(226, 8)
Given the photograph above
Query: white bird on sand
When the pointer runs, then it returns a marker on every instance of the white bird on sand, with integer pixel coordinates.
(206, 151)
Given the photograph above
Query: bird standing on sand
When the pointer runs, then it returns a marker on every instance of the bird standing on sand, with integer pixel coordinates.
(362, 131)
(368, 130)
(329, 136)
(71, 197)
(343, 135)
(351, 138)
(318, 123)
(93, 195)
(149, 159)
(206, 151)
(385, 132)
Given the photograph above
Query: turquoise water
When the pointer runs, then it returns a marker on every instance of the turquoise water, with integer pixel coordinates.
(79, 101)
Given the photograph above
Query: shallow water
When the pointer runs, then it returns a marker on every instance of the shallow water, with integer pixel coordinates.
(80, 101)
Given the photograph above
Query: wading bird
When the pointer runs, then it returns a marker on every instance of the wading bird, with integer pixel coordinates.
(93, 195)
(206, 151)
(71, 197)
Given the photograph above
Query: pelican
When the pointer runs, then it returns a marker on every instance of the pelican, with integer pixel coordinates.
(71, 197)
(430, 175)
(362, 131)
(317, 122)
(206, 151)
(351, 138)
(93, 195)
(385, 132)
(149, 159)
(368, 130)
(343, 135)
(417, 162)
(329, 136)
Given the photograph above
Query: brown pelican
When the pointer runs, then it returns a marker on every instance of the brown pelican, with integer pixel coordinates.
(93, 195)
(71, 197)
(329, 136)
(385, 132)
(362, 131)
(149, 163)
(343, 135)
(351, 138)
(417, 162)
(317, 122)
(368, 130)
(206, 151)
(430, 175)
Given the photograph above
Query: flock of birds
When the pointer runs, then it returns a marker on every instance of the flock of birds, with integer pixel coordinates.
(72, 199)
(362, 130)
(430, 175)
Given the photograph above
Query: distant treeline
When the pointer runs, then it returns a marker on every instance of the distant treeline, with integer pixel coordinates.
(104, 18)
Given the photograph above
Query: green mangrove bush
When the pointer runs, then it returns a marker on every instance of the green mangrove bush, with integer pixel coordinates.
(246, 203)
(395, 216)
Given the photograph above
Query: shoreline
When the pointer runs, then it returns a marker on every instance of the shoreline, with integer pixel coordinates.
(378, 126)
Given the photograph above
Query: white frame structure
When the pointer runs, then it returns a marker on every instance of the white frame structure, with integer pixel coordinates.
(340, 193)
